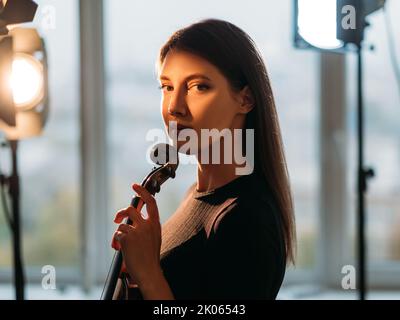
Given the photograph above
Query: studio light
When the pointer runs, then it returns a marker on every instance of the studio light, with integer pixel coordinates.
(316, 24)
(338, 26)
(23, 106)
(28, 85)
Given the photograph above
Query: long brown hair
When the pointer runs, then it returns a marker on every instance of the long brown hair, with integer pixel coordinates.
(235, 54)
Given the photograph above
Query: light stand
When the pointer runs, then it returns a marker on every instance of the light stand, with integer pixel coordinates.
(13, 188)
(307, 35)
(362, 177)
(20, 118)
(19, 277)
(12, 182)
(356, 37)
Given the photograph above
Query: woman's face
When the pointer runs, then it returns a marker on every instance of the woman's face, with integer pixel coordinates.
(197, 95)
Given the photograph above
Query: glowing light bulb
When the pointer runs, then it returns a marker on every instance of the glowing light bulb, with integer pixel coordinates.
(26, 81)
(317, 23)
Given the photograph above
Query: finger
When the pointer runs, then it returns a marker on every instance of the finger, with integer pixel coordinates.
(115, 244)
(130, 212)
(124, 228)
(119, 234)
(140, 204)
(120, 215)
(149, 200)
(134, 215)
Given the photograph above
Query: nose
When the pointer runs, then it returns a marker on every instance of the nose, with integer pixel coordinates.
(177, 105)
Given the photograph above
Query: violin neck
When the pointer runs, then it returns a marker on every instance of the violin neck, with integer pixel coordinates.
(111, 283)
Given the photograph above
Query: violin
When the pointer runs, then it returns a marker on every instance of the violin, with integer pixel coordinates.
(117, 286)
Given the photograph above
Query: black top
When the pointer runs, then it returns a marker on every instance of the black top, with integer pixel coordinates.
(225, 244)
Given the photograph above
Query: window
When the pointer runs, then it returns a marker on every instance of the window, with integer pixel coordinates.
(135, 30)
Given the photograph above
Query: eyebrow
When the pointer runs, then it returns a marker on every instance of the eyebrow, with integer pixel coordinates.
(190, 77)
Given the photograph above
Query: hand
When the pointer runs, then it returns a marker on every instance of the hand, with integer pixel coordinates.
(140, 242)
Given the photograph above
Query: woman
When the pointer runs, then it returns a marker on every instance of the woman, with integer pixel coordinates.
(232, 235)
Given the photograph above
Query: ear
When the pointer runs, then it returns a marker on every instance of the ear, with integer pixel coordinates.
(246, 100)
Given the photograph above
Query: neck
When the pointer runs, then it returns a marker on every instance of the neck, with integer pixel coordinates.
(213, 175)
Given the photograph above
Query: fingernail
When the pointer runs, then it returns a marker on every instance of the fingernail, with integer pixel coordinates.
(117, 218)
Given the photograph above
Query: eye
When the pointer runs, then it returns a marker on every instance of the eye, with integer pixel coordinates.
(167, 87)
(201, 87)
